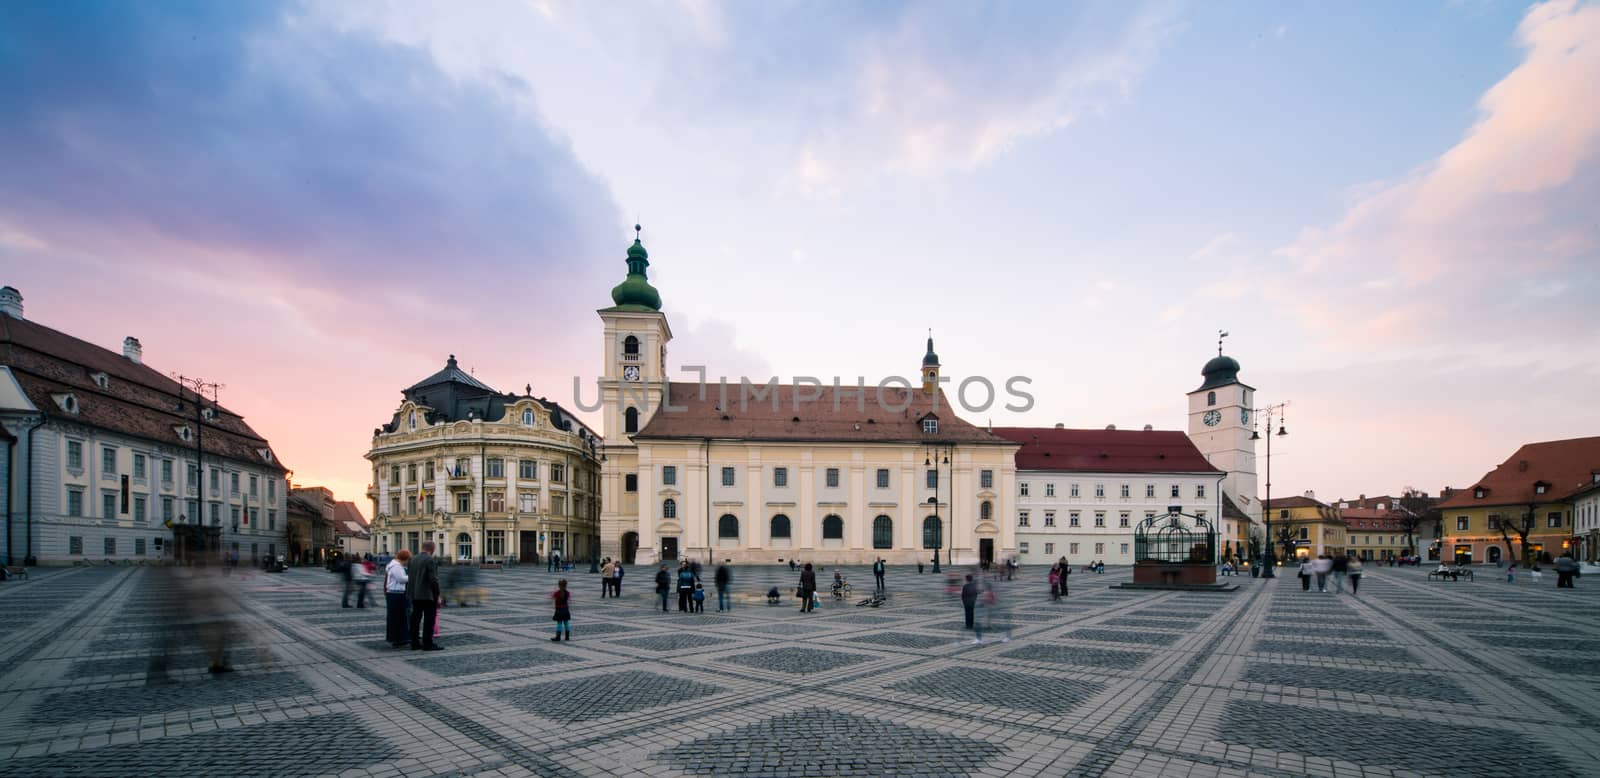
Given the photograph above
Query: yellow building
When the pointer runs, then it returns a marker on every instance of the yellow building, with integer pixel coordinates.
(486, 475)
(1533, 490)
(1302, 527)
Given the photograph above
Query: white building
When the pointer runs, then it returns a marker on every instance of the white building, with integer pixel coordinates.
(116, 461)
(1221, 423)
(1082, 493)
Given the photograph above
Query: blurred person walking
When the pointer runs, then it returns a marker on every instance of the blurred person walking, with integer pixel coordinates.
(1341, 567)
(1353, 569)
(724, 580)
(969, 600)
(1321, 567)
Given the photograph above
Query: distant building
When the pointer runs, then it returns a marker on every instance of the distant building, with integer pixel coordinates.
(114, 460)
(351, 530)
(1081, 494)
(1302, 526)
(1536, 489)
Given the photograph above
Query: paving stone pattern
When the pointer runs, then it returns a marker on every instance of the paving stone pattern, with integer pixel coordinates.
(1412, 678)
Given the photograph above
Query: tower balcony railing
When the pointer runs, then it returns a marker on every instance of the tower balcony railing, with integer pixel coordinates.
(632, 359)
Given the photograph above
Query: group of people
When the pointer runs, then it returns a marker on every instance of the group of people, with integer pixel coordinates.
(357, 573)
(1339, 567)
(976, 594)
(691, 590)
(1567, 571)
(413, 595)
(1058, 578)
(610, 578)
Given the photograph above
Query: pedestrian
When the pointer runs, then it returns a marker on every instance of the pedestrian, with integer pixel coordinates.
(808, 589)
(1511, 572)
(969, 600)
(878, 569)
(1305, 574)
(724, 578)
(1322, 567)
(699, 598)
(394, 594)
(422, 588)
(1066, 571)
(1341, 567)
(347, 572)
(1055, 583)
(791, 565)
(1566, 571)
(555, 561)
(685, 586)
(605, 578)
(616, 578)
(1354, 571)
(563, 617)
(1011, 568)
(663, 586)
(361, 572)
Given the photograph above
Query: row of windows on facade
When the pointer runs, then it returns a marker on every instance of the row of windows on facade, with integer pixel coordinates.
(494, 546)
(1075, 519)
(780, 478)
(111, 506)
(494, 467)
(1072, 549)
(781, 528)
(108, 469)
(494, 502)
(1552, 520)
(527, 419)
(669, 510)
(75, 546)
(630, 423)
(1126, 492)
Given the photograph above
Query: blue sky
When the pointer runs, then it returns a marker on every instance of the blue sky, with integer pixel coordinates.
(1383, 203)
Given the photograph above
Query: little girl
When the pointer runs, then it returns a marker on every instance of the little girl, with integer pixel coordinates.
(563, 617)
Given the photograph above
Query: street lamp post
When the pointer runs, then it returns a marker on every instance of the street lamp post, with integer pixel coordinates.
(933, 459)
(1266, 507)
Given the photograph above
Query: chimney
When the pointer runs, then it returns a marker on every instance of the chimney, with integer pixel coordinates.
(11, 302)
(1110, 427)
(1311, 495)
(1363, 498)
(1149, 428)
(1059, 425)
(132, 350)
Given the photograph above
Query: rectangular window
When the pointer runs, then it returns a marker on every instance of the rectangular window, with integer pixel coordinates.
(216, 480)
(1023, 547)
(1099, 518)
(1175, 491)
(1553, 520)
(108, 506)
(1072, 519)
(496, 467)
(216, 514)
(74, 502)
(1124, 519)
(1200, 514)
(427, 471)
(883, 478)
(1125, 493)
(1461, 524)
(669, 475)
(1124, 549)
(1200, 491)
(558, 504)
(138, 546)
(74, 455)
(111, 546)
(429, 503)
(933, 479)
(1049, 490)
(1072, 548)
(1072, 490)
(108, 460)
(411, 473)
(138, 465)
(527, 469)
(394, 505)
(463, 502)
(497, 502)
(985, 479)
(1149, 516)
(166, 471)
(727, 476)
(832, 476)
(780, 477)
(1100, 491)
(233, 482)
(463, 469)
(193, 513)
(1022, 488)
(1150, 491)
(233, 515)
(930, 426)
(1049, 548)
(411, 505)
(1099, 548)
(495, 543)
(630, 482)
(1022, 518)
(1305, 533)
(558, 473)
(394, 475)
(254, 481)
(138, 509)
(166, 509)
(526, 502)
(1049, 518)
(75, 545)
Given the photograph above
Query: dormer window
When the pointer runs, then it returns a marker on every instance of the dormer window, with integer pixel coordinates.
(66, 402)
(101, 380)
(183, 432)
(207, 413)
(1540, 487)
(930, 426)
(1477, 494)
(412, 421)
(527, 417)
(265, 454)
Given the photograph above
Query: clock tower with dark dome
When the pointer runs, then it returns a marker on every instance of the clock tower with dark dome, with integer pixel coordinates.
(1220, 423)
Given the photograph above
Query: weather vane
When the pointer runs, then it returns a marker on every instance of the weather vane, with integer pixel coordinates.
(1220, 336)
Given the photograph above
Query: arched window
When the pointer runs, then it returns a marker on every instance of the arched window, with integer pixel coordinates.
(985, 511)
(932, 532)
(883, 532)
(728, 526)
(413, 421)
(669, 508)
(630, 346)
(780, 526)
(832, 528)
(527, 417)
(1211, 398)
(463, 546)
(630, 420)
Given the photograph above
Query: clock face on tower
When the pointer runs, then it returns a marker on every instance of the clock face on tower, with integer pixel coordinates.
(631, 372)
(1244, 416)
(1212, 418)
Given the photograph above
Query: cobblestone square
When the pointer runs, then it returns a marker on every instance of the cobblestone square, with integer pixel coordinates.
(1409, 678)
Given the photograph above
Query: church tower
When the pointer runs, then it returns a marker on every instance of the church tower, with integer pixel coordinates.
(1220, 423)
(930, 369)
(632, 388)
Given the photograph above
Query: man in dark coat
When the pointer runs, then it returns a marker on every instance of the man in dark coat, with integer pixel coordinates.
(808, 588)
(877, 573)
(969, 599)
(422, 588)
(663, 586)
(724, 579)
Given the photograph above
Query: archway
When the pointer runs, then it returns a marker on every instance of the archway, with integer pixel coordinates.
(1493, 552)
(630, 547)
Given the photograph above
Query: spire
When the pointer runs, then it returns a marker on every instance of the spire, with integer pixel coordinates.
(930, 359)
(635, 291)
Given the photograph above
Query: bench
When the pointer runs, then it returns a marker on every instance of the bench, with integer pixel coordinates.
(1453, 575)
(16, 571)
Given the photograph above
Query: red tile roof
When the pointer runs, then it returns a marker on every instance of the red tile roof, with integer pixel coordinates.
(1105, 451)
(137, 400)
(346, 511)
(1566, 466)
(851, 415)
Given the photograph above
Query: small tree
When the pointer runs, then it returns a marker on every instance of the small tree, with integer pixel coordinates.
(1416, 509)
(1286, 539)
(1255, 544)
(1521, 526)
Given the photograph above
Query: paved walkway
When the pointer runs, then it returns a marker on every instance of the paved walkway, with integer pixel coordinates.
(1411, 678)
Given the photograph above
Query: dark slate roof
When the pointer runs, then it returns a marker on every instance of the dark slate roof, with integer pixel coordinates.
(890, 415)
(451, 374)
(137, 400)
(1106, 451)
(454, 395)
(1230, 509)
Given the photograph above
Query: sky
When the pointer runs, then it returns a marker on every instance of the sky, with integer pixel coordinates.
(1389, 207)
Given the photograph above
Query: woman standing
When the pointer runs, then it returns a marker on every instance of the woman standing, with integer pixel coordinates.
(563, 617)
(1055, 582)
(1353, 570)
(1305, 574)
(398, 632)
(808, 588)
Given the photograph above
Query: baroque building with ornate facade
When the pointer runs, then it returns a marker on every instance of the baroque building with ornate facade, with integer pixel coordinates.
(774, 472)
(488, 476)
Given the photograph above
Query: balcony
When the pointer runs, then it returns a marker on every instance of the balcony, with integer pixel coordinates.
(632, 359)
(458, 477)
